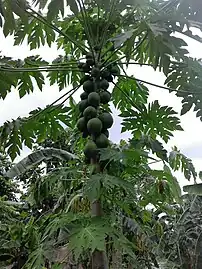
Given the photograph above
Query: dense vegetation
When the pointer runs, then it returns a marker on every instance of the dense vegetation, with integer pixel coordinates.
(87, 202)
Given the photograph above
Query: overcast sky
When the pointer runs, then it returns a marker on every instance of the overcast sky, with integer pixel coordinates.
(189, 141)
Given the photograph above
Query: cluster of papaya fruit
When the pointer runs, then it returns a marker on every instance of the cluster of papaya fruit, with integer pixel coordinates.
(94, 121)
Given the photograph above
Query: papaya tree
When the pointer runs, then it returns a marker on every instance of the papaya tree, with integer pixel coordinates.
(58, 192)
(100, 40)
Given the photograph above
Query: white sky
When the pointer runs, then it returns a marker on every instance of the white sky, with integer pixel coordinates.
(189, 141)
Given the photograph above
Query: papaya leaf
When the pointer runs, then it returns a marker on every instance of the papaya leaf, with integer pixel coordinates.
(158, 148)
(112, 181)
(122, 243)
(178, 161)
(37, 257)
(9, 23)
(50, 122)
(93, 188)
(130, 89)
(121, 38)
(108, 182)
(123, 155)
(168, 183)
(73, 6)
(189, 10)
(60, 222)
(155, 38)
(54, 7)
(186, 78)
(89, 237)
(153, 144)
(35, 37)
(41, 3)
(110, 154)
(173, 183)
(155, 121)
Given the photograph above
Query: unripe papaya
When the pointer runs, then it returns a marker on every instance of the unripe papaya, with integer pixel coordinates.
(89, 113)
(86, 68)
(104, 84)
(95, 72)
(82, 105)
(84, 95)
(115, 70)
(105, 73)
(84, 78)
(105, 97)
(105, 132)
(106, 119)
(109, 78)
(85, 133)
(94, 99)
(81, 124)
(90, 149)
(89, 86)
(90, 61)
(89, 55)
(102, 141)
(94, 126)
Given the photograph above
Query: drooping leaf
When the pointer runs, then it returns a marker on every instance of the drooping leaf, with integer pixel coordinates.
(37, 258)
(54, 7)
(186, 78)
(9, 23)
(167, 184)
(37, 157)
(50, 122)
(177, 160)
(174, 185)
(193, 189)
(60, 222)
(121, 242)
(42, 3)
(153, 144)
(73, 6)
(121, 38)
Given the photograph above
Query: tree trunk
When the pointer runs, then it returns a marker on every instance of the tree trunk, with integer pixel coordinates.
(99, 259)
(116, 259)
(130, 266)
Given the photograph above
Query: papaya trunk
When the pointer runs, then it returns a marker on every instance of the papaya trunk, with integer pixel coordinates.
(99, 259)
(116, 259)
(117, 253)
